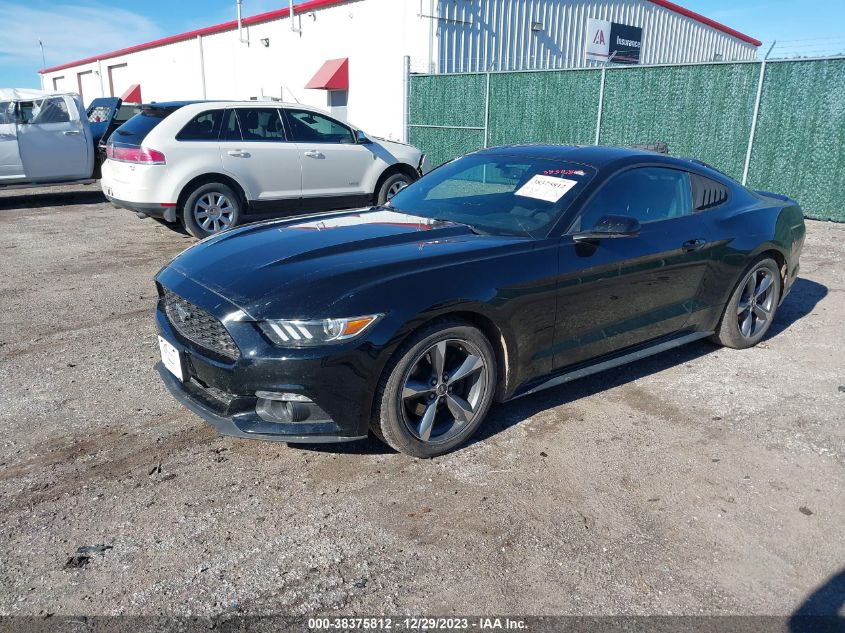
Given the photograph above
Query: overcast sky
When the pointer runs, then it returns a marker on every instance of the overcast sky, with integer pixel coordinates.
(72, 30)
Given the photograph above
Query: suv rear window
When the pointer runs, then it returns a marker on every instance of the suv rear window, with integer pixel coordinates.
(135, 130)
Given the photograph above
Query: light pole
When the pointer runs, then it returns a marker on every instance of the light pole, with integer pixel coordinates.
(43, 63)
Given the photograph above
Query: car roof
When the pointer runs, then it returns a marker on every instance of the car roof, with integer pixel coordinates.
(594, 155)
(167, 104)
(228, 103)
(606, 158)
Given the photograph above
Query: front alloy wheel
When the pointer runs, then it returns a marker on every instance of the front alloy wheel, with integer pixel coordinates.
(442, 392)
(436, 390)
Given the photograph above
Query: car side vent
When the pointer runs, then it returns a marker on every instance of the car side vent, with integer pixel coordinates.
(707, 193)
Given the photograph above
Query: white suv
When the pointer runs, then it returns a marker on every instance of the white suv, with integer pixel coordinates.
(213, 165)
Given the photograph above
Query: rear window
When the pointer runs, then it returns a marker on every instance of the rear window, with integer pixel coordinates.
(135, 130)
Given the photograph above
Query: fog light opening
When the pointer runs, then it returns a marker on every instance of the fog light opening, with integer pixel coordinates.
(282, 412)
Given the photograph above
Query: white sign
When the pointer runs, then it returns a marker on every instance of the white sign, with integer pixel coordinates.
(598, 39)
(546, 188)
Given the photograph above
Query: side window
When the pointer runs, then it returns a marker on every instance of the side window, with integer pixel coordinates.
(261, 124)
(203, 127)
(311, 127)
(231, 127)
(649, 194)
(7, 112)
(26, 110)
(51, 110)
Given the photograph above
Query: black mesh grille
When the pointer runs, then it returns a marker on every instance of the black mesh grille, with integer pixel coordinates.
(198, 326)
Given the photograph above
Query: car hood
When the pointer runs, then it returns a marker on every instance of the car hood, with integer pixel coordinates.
(302, 268)
(397, 151)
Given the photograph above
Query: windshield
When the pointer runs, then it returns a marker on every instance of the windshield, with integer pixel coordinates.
(516, 195)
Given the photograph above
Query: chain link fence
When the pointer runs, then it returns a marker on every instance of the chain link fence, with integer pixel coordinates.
(777, 125)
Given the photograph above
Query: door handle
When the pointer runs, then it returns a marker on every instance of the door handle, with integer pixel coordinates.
(312, 153)
(71, 132)
(238, 153)
(692, 245)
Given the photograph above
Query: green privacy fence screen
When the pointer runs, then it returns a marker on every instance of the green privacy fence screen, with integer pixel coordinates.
(704, 111)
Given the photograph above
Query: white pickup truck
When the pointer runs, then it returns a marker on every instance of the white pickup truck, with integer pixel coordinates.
(45, 139)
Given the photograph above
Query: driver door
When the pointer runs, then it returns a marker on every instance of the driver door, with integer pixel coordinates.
(334, 165)
(11, 167)
(618, 292)
(54, 141)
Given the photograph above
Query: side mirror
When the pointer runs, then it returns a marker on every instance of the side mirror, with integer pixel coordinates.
(361, 138)
(608, 227)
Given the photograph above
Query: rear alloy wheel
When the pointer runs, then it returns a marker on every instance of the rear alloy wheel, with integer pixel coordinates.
(749, 313)
(391, 186)
(437, 391)
(210, 209)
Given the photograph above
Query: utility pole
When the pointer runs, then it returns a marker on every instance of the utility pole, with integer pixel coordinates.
(43, 63)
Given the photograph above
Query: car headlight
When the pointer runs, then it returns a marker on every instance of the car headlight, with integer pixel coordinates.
(301, 333)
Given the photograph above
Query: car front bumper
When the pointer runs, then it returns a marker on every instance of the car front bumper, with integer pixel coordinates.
(339, 382)
(245, 425)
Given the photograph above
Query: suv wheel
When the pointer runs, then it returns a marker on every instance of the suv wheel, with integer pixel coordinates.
(211, 208)
(391, 186)
(436, 391)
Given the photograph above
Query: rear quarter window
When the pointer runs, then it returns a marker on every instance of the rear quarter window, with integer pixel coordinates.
(203, 127)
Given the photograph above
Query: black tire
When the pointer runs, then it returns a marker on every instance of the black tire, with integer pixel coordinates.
(740, 308)
(393, 415)
(390, 186)
(229, 215)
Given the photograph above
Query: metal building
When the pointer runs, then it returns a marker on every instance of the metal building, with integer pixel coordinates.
(479, 35)
(351, 56)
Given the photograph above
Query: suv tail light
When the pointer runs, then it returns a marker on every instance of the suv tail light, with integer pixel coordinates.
(142, 155)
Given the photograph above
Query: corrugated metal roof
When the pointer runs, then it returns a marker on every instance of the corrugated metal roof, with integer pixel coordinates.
(317, 4)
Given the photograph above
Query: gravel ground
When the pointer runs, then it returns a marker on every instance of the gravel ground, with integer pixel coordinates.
(701, 481)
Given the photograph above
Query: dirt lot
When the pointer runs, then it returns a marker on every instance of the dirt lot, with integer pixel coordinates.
(700, 481)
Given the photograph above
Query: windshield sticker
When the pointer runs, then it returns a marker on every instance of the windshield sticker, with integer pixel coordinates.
(546, 188)
(565, 172)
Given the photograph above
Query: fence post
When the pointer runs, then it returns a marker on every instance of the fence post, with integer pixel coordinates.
(601, 96)
(406, 99)
(754, 116)
(486, 107)
(601, 105)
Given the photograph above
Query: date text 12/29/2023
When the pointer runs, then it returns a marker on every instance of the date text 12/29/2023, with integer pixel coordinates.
(416, 624)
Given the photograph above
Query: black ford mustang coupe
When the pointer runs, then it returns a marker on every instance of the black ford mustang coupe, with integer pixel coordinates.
(498, 274)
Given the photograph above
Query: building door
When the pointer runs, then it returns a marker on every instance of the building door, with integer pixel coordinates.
(119, 79)
(89, 86)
